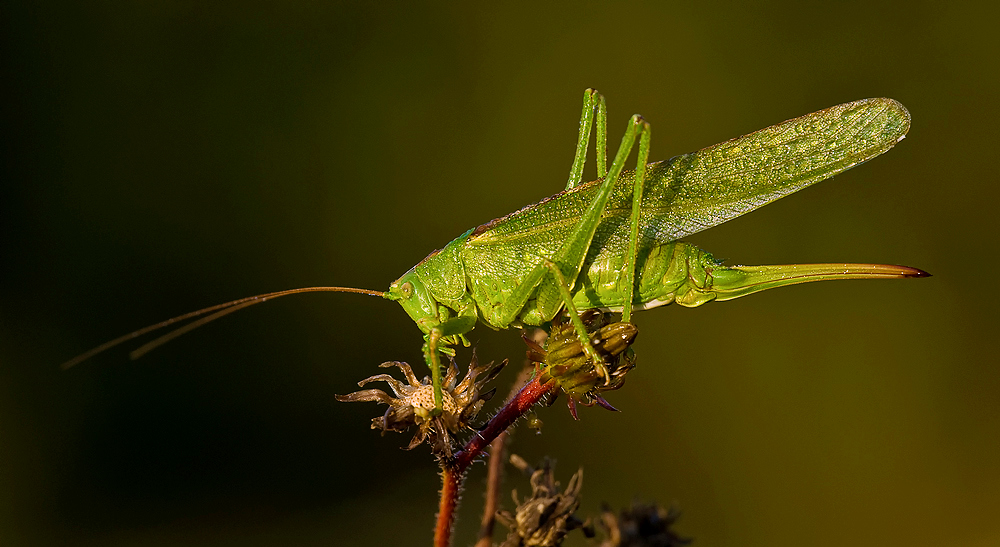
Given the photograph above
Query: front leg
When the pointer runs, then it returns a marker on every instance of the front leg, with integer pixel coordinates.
(456, 326)
(434, 363)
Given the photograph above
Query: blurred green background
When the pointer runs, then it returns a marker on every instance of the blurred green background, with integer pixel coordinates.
(164, 156)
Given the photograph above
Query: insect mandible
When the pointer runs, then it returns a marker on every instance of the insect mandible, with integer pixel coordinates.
(613, 243)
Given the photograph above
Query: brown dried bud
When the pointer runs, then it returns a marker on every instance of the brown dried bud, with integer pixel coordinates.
(413, 403)
(544, 518)
(562, 360)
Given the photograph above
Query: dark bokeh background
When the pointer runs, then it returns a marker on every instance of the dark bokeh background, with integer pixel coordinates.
(164, 156)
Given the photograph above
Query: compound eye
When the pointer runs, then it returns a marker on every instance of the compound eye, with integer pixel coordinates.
(407, 290)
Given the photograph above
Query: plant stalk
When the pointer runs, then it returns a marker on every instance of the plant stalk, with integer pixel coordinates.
(453, 471)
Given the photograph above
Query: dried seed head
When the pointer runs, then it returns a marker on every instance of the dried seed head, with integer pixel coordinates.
(414, 402)
(642, 525)
(563, 361)
(544, 518)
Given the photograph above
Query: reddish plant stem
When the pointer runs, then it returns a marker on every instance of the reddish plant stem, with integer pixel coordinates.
(514, 409)
(453, 472)
(494, 474)
(450, 485)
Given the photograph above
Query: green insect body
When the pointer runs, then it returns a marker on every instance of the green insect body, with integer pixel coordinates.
(613, 244)
(631, 257)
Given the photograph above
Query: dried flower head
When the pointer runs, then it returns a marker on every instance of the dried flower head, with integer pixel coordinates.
(562, 359)
(544, 518)
(414, 402)
(642, 525)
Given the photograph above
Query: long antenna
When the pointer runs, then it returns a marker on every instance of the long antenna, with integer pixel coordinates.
(220, 311)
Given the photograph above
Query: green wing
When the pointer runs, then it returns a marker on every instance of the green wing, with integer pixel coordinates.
(692, 192)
